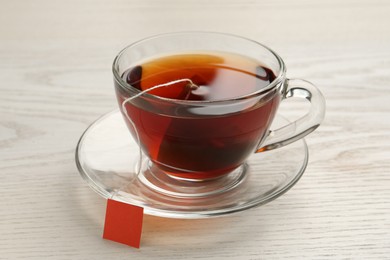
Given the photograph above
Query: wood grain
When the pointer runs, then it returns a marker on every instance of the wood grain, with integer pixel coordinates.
(55, 74)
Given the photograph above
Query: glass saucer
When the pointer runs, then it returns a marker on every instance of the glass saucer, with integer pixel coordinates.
(108, 158)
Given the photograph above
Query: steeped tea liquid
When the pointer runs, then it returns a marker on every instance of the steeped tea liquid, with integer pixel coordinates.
(200, 147)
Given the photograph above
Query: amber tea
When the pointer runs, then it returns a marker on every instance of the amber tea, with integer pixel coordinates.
(192, 143)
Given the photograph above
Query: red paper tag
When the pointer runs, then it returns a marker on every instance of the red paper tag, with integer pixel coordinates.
(123, 223)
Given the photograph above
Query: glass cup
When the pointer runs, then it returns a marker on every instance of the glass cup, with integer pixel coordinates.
(197, 141)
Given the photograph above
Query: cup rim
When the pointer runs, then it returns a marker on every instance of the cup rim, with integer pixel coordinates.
(127, 87)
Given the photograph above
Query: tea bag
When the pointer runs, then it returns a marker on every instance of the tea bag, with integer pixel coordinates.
(187, 89)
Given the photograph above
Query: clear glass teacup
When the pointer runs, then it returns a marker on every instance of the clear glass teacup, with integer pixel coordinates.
(201, 139)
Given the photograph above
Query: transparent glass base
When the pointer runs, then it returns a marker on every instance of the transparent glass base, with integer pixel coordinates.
(108, 159)
(156, 179)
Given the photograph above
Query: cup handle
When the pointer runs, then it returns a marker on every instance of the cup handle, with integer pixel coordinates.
(303, 126)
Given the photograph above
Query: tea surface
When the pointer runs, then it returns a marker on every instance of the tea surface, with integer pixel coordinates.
(219, 76)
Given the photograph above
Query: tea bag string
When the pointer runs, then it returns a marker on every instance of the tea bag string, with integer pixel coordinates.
(189, 87)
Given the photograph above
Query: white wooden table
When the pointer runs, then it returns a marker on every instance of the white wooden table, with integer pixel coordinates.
(55, 79)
